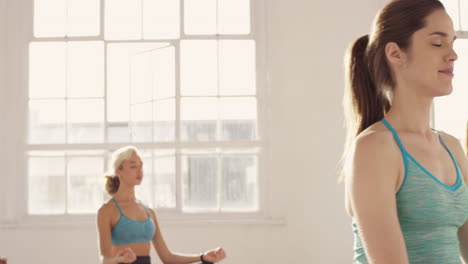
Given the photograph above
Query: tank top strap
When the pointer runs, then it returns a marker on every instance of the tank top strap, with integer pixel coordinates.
(395, 136)
(446, 147)
(459, 178)
(117, 205)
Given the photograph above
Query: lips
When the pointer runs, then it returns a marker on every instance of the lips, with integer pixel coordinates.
(447, 71)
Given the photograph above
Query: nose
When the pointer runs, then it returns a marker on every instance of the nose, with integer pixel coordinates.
(453, 56)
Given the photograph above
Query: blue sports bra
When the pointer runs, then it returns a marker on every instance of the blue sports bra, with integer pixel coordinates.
(128, 231)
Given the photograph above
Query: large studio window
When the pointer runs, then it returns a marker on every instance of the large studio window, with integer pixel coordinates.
(177, 79)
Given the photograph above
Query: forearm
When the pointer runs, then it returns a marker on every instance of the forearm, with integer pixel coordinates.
(176, 258)
(110, 260)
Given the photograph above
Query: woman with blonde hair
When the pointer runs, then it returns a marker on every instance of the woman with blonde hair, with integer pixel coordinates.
(405, 183)
(127, 228)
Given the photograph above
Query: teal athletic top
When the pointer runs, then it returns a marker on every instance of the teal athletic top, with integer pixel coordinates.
(128, 231)
(430, 213)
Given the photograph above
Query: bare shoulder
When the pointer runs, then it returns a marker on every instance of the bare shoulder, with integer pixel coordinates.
(106, 210)
(456, 148)
(374, 152)
(452, 142)
(375, 142)
(374, 136)
(153, 213)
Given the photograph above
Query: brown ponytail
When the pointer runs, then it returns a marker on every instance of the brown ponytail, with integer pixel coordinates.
(365, 103)
(112, 184)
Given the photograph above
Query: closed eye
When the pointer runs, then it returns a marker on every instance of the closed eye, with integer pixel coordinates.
(437, 45)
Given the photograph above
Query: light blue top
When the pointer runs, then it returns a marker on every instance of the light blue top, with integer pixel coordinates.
(128, 231)
(430, 213)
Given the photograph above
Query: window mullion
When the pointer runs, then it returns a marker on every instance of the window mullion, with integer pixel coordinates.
(102, 14)
(177, 153)
(67, 185)
(101, 34)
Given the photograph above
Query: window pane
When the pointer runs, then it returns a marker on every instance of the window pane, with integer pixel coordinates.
(198, 118)
(200, 182)
(161, 19)
(238, 118)
(50, 81)
(163, 65)
(451, 6)
(237, 67)
(141, 124)
(199, 67)
(85, 121)
(451, 112)
(164, 120)
(118, 77)
(165, 183)
(118, 132)
(86, 185)
(46, 121)
(239, 183)
(50, 18)
(141, 87)
(200, 17)
(83, 17)
(46, 185)
(464, 15)
(123, 19)
(85, 69)
(234, 16)
(144, 190)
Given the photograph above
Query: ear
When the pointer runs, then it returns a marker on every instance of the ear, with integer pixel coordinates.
(395, 56)
(117, 171)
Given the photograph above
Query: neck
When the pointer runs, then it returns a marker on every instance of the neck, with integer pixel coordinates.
(410, 112)
(125, 193)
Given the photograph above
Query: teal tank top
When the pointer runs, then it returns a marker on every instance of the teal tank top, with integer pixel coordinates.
(430, 213)
(128, 231)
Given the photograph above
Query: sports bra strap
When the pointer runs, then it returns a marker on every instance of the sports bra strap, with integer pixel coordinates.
(395, 135)
(117, 204)
(146, 208)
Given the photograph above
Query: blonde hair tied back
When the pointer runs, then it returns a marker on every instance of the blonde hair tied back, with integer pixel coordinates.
(118, 157)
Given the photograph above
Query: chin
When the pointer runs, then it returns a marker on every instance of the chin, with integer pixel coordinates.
(447, 91)
(443, 90)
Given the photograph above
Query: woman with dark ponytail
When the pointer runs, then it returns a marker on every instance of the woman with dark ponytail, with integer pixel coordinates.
(127, 228)
(405, 183)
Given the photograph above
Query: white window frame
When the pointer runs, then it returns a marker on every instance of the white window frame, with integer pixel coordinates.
(14, 191)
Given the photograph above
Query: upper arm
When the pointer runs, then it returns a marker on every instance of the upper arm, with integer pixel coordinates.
(463, 237)
(158, 241)
(372, 175)
(104, 225)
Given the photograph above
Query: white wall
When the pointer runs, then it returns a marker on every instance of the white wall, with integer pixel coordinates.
(305, 45)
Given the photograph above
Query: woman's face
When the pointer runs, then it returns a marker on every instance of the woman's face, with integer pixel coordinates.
(131, 171)
(429, 61)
